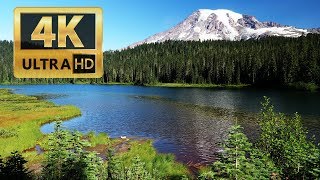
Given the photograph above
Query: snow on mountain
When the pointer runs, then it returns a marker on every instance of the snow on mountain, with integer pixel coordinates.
(314, 30)
(222, 24)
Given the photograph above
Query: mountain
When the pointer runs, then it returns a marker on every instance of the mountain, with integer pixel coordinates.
(222, 24)
(314, 30)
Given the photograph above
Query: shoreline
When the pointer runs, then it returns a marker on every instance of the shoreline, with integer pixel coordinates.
(299, 86)
(23, 115)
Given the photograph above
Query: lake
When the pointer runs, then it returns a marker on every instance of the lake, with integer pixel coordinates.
(188, 122)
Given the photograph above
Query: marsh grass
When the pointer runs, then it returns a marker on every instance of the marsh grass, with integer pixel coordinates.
(25, 115)
(163, 164)
(98, 139)
(185, 85)
(312, 87)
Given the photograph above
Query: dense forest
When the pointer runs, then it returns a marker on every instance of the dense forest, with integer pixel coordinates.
(276, 61)
(272, 60)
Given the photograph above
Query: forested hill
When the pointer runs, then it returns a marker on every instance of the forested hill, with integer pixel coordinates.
(271, 61)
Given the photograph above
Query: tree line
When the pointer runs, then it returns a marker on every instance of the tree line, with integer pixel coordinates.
(266, 61)
(270, 61)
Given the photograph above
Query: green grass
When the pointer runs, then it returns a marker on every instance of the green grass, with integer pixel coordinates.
(33, 158)
(312, 87)
(118, 83)
(164, 164)
(98, 139)
(185, 85)
(24, 115)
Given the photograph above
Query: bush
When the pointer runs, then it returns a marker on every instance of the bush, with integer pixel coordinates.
(5, 133)
(286, 141)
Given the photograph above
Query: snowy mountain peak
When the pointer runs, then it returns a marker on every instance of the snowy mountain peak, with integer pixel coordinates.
(222, 14)
(222, 24)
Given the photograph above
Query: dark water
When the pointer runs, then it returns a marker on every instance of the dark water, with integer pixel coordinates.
(188, 122)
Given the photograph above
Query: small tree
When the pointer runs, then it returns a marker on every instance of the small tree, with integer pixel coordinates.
(14, 167)
(94, 167)
(134, 171)
(57, 153)
(115, 167)
(66, 158)
(239, 160)
(138, 170)
(1, 167)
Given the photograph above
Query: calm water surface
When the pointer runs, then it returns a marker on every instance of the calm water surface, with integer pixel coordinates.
(188, 122)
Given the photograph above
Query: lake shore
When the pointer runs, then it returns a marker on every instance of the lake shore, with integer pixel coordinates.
(22, 116)
(299, 86)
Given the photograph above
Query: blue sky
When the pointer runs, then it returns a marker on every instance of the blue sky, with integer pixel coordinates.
(128, 21)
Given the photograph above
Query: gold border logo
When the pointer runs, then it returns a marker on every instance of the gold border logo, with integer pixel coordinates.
(51, 62)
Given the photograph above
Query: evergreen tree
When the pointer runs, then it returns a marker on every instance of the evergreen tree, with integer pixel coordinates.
(67, 159)
(14, 167)
(135, 170)
(240, 160)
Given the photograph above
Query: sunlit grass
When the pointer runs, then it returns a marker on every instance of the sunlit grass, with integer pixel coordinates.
(24, 115)
(119, 83)
(33, 158)
(164, 164)
(98, 139)
(185, 85)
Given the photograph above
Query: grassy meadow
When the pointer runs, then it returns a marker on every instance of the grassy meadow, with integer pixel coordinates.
(21, 117)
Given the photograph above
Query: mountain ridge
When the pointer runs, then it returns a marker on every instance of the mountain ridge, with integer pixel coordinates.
(223, 24)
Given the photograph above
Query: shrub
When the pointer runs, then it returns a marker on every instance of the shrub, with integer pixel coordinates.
(6, 133)
(285, 139)
(240, 160)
